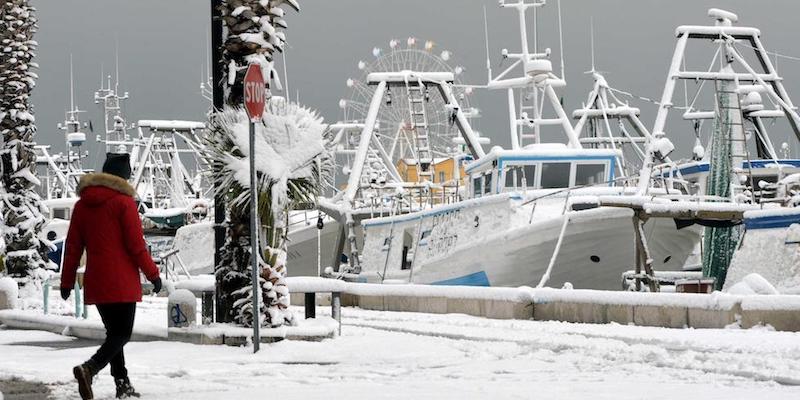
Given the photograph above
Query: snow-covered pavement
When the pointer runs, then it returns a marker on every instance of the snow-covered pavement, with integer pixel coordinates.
(405, 355)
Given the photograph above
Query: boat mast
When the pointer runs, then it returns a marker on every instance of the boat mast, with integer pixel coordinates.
(536, 84)
(116, 135)
(73, 137)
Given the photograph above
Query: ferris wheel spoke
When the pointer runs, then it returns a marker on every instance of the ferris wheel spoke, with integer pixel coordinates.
(359, 109)
(363, 90)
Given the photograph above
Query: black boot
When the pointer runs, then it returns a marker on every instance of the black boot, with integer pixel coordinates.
(84, 374)
(124, 388)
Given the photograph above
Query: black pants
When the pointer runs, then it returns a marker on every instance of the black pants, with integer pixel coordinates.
(118, 320)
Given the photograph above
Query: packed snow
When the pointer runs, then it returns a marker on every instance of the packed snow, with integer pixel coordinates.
(753, 284)
(409, 355)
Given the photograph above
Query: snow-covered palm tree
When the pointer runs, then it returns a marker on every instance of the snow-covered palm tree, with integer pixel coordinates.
(292, 160)
(23, 216)
(253, 35)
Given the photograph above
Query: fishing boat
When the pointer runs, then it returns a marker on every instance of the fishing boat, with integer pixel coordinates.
(738, 115)
(168, 172)
(519, 219)
(732, 104)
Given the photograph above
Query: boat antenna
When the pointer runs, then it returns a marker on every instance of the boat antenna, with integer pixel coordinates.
(71, 86)
(591, 41)
(486, 39)
(535, 31)
(116, 64)
(208, 55)
(285, 73)
(102, 75)
(560, 41)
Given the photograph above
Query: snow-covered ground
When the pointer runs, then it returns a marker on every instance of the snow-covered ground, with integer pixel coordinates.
(407, 355)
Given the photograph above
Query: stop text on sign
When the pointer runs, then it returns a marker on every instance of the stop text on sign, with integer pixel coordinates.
(254, 92)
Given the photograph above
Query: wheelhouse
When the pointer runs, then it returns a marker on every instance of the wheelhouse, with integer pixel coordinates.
(541, 167)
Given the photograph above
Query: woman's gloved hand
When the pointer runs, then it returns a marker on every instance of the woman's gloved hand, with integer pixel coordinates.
(156, 285)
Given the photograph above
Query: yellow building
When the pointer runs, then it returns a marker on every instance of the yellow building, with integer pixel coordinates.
(444, 169)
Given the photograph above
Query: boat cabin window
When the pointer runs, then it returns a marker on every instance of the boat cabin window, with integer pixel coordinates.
(62, 213)
(510, 173)
(514, 177)
(590, 174)
(529, 175)
(536, 174)
(477, 189)
(520, 176)
(555, 175)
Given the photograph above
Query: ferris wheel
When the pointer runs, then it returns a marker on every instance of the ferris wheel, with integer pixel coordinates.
(395, 127)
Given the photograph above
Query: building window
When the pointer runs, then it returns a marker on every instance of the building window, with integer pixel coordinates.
(487, 183)
(476, 187)
(441, 176)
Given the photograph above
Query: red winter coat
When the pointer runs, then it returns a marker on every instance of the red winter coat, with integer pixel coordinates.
(106, 223)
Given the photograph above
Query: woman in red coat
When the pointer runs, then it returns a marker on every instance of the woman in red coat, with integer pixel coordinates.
(105, 222)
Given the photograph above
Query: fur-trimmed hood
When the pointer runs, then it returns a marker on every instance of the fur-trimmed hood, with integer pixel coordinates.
(105, 180)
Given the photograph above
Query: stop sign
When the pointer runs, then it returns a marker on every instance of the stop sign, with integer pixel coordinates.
(254, 90)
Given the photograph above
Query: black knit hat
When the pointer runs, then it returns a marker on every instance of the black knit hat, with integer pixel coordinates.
(118, 164)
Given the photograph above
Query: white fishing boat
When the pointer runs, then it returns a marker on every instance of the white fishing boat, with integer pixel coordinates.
(516, 222)
(738, 113)
(511, 232)
(732, 103)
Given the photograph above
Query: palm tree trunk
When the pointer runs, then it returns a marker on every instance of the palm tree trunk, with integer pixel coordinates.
(243, 19)
(23, 212)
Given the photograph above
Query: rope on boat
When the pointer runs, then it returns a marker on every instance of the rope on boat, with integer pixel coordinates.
(546, 275)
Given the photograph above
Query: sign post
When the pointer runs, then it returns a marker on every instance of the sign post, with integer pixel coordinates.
(254, 99)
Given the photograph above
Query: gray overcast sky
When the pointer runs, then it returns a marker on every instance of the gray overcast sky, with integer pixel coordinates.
(163, 48)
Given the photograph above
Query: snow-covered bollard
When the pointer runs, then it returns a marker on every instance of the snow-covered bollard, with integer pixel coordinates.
(9, 291)
(182, 310)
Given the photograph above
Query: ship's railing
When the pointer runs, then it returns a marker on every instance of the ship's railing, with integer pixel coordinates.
(383, 199)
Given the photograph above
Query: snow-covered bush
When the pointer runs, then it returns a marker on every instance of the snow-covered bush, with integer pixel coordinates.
(292, 158)
(22, 209)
